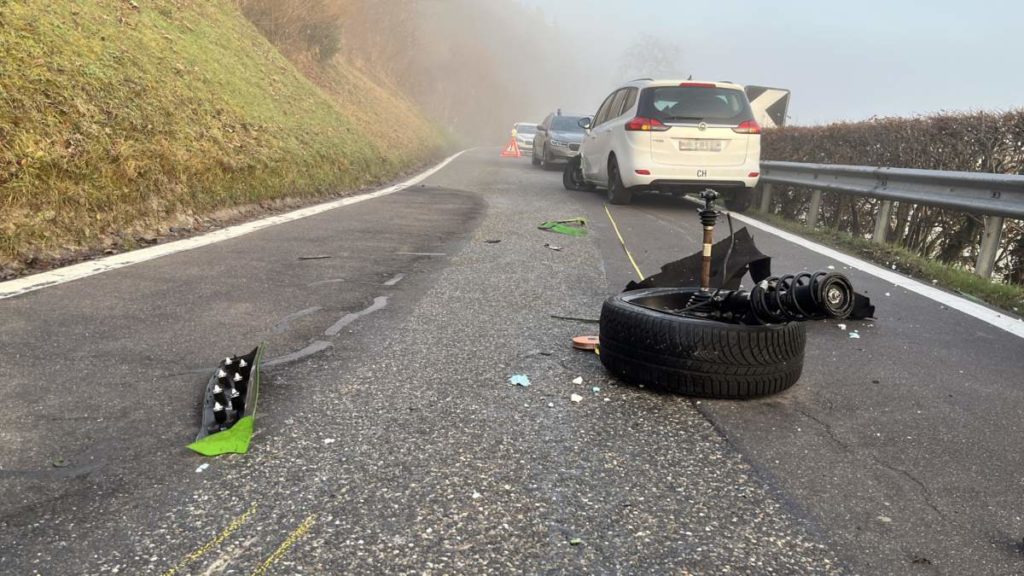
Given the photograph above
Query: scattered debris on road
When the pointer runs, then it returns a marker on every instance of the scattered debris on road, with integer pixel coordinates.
(317, 257)
(202, 467)
(578, 380)
(569, 227)
(328, 441)
(576, 398)
(575, 319)
(229, 406)
(553, 247)
(492, 241)
(519, 380)
(586, 343)
(854, 335)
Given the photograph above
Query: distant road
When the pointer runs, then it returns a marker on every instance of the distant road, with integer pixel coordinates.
(389, 440)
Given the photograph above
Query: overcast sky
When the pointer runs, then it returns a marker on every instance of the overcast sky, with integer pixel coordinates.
(842, 61)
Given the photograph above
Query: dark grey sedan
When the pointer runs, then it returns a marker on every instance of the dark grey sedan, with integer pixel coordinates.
(558, 139)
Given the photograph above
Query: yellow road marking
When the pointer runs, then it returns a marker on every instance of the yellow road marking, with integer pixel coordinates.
(639, 274)
(217, 541)
(288, 543)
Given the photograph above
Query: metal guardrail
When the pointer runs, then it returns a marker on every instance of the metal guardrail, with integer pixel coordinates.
(994, 196)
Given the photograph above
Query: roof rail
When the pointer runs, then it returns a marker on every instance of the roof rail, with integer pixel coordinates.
(642, 79)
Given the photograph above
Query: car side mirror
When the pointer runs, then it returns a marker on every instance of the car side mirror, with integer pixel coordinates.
(584, 123)
(541, 129)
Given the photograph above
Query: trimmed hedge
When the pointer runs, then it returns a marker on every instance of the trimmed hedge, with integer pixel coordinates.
(969, 142)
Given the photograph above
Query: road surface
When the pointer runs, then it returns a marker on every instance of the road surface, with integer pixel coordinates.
(397, 445)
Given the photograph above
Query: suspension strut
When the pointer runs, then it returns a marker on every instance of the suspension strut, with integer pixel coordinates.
(708, 217)
(793, 297)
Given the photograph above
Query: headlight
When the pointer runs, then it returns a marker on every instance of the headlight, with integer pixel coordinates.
(560, 143)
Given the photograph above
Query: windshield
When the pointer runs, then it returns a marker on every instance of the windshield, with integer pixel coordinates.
(566, 124)
(695, 104)
(526, 128)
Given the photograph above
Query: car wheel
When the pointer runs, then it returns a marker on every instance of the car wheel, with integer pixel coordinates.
(740, 200)
(572, 176)
(644, 343)
(617, 192)
(547, 159)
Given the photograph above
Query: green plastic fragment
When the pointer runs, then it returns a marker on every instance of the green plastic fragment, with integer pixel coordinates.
(234, 440)
(570, 227)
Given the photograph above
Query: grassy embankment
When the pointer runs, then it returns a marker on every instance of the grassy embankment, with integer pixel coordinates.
(1006, 296)
(120, 120)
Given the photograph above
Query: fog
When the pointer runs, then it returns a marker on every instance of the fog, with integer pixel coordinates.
(477, 66)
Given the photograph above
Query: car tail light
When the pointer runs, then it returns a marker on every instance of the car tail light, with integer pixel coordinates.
(698, 85)
(641, 124)
(753, 175)
(643, 172)
(748, 127)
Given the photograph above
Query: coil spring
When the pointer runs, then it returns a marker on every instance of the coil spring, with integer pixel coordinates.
(804, 296)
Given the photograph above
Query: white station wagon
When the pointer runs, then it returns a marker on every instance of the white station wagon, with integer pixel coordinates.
(671, 136)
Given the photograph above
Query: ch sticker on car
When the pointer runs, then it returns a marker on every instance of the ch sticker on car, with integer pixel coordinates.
(702, 173)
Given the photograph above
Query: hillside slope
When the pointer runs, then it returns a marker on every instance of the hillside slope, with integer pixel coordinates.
(120, 119)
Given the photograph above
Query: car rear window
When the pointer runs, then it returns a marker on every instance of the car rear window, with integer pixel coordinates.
(695, 104)
(526, 128)
(566, 124)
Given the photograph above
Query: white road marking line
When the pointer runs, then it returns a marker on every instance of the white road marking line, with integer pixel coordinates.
(379, 303)
(27, 284)
(999, 320)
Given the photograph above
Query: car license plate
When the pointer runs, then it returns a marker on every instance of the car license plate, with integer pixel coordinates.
(700, 145)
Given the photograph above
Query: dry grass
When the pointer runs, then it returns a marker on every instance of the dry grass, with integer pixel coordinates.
(117, 121)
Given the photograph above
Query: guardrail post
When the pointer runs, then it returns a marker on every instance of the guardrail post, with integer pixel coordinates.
(814, 209)
(882, 222)
(766, 197)
(989, 246)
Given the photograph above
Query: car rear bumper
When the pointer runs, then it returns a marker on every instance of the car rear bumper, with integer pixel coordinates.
(690, 178)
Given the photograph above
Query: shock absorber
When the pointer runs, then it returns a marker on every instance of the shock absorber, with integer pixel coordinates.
(708, 218)
(793, 297)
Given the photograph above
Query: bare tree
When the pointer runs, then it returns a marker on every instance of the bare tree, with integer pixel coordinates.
(652, 57)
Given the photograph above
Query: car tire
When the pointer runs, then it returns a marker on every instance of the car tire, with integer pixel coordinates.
(572, 176)
(617, 192)
(648, 346)
(740, 200)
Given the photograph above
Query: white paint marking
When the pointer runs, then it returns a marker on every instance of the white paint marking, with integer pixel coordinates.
(983, 313)
(398, 278)
(315, 347)
(285, 323)
(378, 303)
(27, 284)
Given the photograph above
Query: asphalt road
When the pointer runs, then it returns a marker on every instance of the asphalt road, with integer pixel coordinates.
(397, 445)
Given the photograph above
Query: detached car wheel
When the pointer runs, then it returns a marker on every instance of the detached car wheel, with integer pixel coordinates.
(642, 342)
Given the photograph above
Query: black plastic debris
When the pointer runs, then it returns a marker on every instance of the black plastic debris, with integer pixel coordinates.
(230, 394)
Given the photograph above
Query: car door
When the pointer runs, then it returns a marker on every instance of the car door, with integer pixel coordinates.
(540, 139)
(589, 154)
(603, 135)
